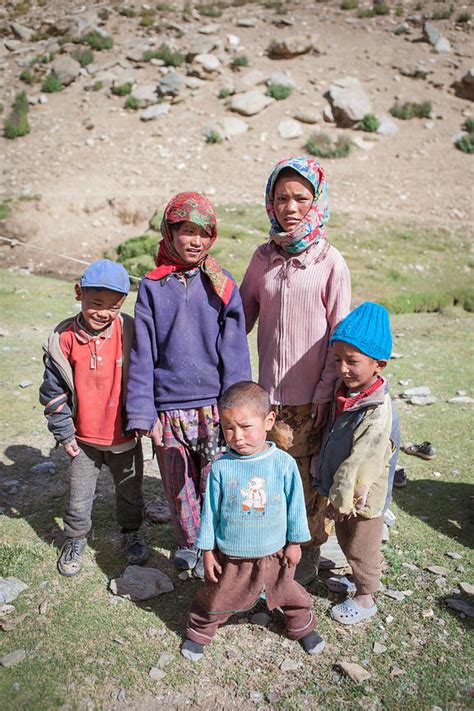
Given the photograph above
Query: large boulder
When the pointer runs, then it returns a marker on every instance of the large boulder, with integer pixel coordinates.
(349, 102)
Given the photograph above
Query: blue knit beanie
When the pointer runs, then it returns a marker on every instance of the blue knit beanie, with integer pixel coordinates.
(368, 329)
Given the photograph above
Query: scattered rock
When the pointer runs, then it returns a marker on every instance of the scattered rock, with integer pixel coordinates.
(465, 87)
(23, 33)
(456, 603)
(145, 95)
(281, 79)
(211, 29)
(422, 390)
(306, 116)
(13, 658)
(431, 33)
(348, 100)
(453, 555)
(157, 674)
(141, 583)
(427, 613)
(248, 81)
(290, 47)
(10, 588)
(443, 46)
(395, 595)
(25, 384)
(200, 45)
(44, 468)
(461, 400)
(437, 569)
(396, 671)
(246, 22)
(232, 126)
(467, 588)
(66, 69)
(289, 665)
(164, 660)
(155, 112)
(262, 619)
(379, 648)
(387, 127)
(250, 103)
(423, 400)
(157, 511)
(354, 671)
(170, 85)
(185, 575)
(414, 72)
(402, 29)
(206, 66)
(289, 128)
(327, 114)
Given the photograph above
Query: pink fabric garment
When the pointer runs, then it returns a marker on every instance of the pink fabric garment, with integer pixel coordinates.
(299, 300)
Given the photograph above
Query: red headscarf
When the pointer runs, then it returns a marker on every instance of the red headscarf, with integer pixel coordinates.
(190, 207)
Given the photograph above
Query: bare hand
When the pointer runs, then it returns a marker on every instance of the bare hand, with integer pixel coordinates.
(320, 413)
(291, 554)
(72, 448)
(156, 434)
(334, 514)
(212, 567)
(360, 497)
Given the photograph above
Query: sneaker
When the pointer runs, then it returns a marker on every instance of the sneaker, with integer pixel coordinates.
(389, 517)
(135, 547)
(385, 533)
(307, 568)
(425, 450)
(185, 558)
(192, 650)
(400, 478)
(70, 559)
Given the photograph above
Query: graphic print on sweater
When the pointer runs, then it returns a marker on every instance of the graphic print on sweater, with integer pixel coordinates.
(255, 497)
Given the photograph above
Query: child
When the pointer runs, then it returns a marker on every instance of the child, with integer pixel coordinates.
(253, 522)
(353, 464)
(86, 362)
(298, 286)
(190, 345)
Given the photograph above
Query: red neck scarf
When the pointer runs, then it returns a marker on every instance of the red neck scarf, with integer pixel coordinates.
(343, 402)
(190, 207)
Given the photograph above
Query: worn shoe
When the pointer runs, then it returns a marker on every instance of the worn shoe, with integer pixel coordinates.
(198, 570)
(400, 478)
(307, 568)
(340, 584)
(350, 613)
(70, 559)
(135, 547)
(385, 533)
(192, 650)
(425, 450)
(185, 558)
(312, 643)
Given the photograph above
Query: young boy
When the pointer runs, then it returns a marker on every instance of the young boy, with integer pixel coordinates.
(86, 360)
(253, 522)
(353, 464)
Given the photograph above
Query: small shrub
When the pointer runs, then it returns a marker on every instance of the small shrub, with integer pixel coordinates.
(349, 5)
(97, 86)
(127, 12)
(381, 10)
(213, 137)
(399, 11)
(277, 5)
(122, 89)
(321, 146)
(5, 208)
(52, 84)
(464, 17)
(162, 7)
(104, 14)
(367, 12)
(83, 56)
(1, 108)
(16, 124)
(209, 10)
(239, 61)
(469, 125)
(132, 103)
(411, 109)
(170, 58)
(369, 123)
(137, 253)
(466, 143)
(224, 93)
(442, 14)
(43, 58)
(38, 36)
(279, 91)
(98, 42)
(147, 22)
(419, 6)
(27, 76)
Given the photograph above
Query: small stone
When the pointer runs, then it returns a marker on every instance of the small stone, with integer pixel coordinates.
(10, 588)
(250, 103)
(261, 619)
(437, 569)
(461, 606)
(461, 400)
(389, 619)
(44, 468)
(209, 29)
(163, 660)
(395, 595)
(290, 47)
(155, 112)
(354, 671)
(289, 665)
(396, 671)
(256, 697)
(246, 22)
(121, 695)
(209, 63)
(13, 658)
(427, 613)
(157, 674)
(379, 648)
(306, 116)
(25, 384)
(467, 588)
(443, 46)
(281, 78)
(410, 566)
(141, 583)
(422, 400)
(66, 69)
(422, 391)
(460, 569)
(288, 128)
(145, 95)
(185, 575)
(232, 126)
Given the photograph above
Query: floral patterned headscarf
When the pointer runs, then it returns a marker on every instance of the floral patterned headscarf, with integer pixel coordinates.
(190, 207)
(312, 227)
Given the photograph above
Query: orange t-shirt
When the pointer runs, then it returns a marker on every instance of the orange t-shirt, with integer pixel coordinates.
(96, 363)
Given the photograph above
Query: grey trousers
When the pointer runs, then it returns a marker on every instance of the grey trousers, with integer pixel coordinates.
(127, 471)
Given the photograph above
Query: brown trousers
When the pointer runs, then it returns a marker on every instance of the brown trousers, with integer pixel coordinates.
(239, 587)
(360, 539)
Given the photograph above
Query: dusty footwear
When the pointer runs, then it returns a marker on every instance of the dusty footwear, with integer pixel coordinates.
(312, 643)
(185, 558)
(385, 533)
(424, 450)
(400, 478)
(135, 547)
(340, 584)
(307, 568)
(198, 570)
(70, 559)
(192, 650)
(349, 613)
(389, 518)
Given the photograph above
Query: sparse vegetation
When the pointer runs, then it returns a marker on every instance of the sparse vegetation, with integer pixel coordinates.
(411, 109)
(466, 142)
(209, 10)
(43, 58)
(399, 11)
(147, 21)
(97, 85)
(349, 5)
(320, 145)
(213, 136)
(366, 12)
(27, 76)
(162, 7)
(370, 123)
(442, 14)
(224, 93)
(277, 5)
(127, 12)
(16, 124)
(52, 84)
(83, 56)
(240, 60)
(122, 89)
(38, 36)
(98, 41)
(464, 17)
(279, 91)
(132, 103)
(166, 54)
(381, 9)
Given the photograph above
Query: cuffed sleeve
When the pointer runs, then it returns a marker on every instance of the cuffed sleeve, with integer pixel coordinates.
(210, 513)
(233, 347)
(297, 525)
(55, 396)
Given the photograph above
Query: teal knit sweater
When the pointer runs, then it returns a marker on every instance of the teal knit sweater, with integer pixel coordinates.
(254, 505)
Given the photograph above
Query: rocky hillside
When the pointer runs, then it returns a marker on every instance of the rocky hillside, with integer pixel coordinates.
(128, 103)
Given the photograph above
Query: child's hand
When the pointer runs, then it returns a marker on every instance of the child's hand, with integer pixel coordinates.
(360, 497)
(334, 514)
(212, 567)
(320, 413)
(156, 434)
(291, 554)
(71, 448)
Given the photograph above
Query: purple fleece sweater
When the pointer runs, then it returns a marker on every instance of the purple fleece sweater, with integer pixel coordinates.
(188, 348)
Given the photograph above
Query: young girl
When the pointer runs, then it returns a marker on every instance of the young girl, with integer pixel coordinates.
(190, 345)
(298, 286)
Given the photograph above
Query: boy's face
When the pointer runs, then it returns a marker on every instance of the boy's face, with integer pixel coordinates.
(190, 241)
(245, 429)
(357, 370)
(99, 307)
(292, 198)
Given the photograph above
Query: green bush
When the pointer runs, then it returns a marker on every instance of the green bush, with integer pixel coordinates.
(369, 123)
(442, 14)
(321, 146)
(52, 84)
(83, 56)
(224, 93)
(27, 76)
(469, 125)
(399, 11)
(349, 5)
(213, 137)
(209, 10)
(464, 17)
(239, 61)
(98, 42)
(137, 254)
(122, 89)
(279, 91)
(16, 124)
(132, 103)
(147, 22)
(368, 12)
(166, 54)
(466, 143)
(162, 7)
(411, 109)
(127, 12)
(381, 10)
(97, 86)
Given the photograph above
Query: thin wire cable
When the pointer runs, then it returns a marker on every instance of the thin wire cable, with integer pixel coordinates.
(16, 242)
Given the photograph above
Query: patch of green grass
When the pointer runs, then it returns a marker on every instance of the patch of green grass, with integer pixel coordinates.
(224, 93)
(52, 84)
(349, 4)
(122, 89)
(5, 208)
(27, 76)
(411, 109)
(16, 559)
(162, 6)
(97, 85)
(366, 12)
(147, 22)
(466, 143)
(279, 91)
(166, 54)
(381, 10)
(240, 60)
(127, 12)
(442, 14)
(83, 56)
(16, 124)
(98, 42)
(320, 145)
(39, 36)
(464, 17)
(277, 5)
(45, 58)
(213, 136)
(370, 123)
(209, 10)
(132, 103)
(399, 11)
(469, 125)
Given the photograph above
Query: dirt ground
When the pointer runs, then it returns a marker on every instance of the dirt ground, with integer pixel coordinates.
(100, 172)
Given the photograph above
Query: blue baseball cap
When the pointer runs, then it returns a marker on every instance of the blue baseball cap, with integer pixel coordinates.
(105, 274)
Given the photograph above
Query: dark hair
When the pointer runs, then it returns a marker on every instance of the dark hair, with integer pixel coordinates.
(245, 393)
(288, 172)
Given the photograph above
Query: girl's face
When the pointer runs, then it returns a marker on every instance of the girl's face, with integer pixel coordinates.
(292, 198)
(190, 241)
